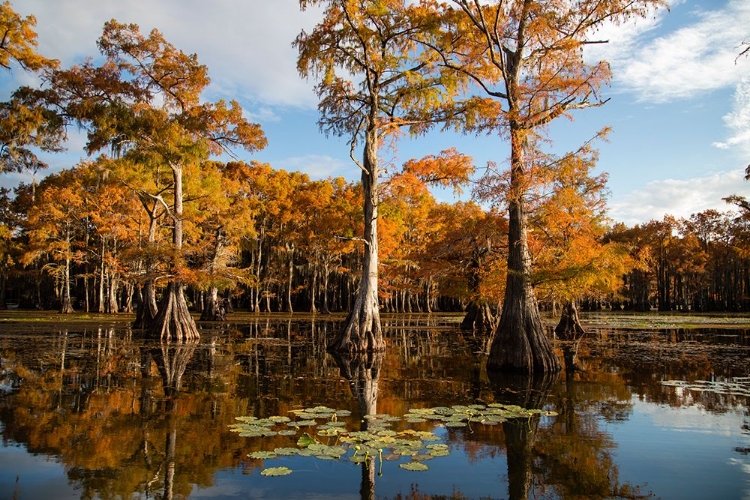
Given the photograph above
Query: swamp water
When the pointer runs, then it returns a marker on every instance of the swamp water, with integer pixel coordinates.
(97, 412)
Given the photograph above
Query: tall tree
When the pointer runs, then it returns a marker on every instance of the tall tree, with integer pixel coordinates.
(525, 58)
(371, 82)
(145, 100)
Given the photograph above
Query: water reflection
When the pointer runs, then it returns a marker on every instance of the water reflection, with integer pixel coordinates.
(126, 417)
(362, 371)
(520, 433)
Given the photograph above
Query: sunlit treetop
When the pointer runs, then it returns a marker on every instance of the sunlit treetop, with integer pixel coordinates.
(19, 41)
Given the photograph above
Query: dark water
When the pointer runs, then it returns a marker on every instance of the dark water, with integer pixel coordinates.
(100, 413)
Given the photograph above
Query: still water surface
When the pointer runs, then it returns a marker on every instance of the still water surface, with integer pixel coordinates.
(97, 412)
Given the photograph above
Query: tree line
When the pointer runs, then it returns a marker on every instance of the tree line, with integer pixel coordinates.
(264, 240)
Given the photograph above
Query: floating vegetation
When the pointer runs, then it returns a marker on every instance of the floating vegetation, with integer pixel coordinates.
(414, 466)
(323, 434)
(276, 471)
(738, 386)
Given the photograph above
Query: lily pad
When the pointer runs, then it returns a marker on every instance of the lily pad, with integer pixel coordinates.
(306, 440)
(414, 466)
(286, 451)
(262, 455)
(276, 471)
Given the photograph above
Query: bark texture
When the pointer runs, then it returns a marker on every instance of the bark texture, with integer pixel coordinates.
(148, 309)
(362, 331)
(213, 307)
(173, 321)
(480, 317)
(520, 344)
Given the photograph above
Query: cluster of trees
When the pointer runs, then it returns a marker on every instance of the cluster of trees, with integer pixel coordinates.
(269, 240)
(696, 264)
(161, 212)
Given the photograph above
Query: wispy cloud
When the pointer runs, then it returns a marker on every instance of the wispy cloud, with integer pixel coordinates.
(738, 120)
(695, 59)
(317, 166)
(680, 198)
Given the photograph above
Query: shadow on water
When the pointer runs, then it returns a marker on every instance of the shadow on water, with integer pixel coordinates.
(128, 417)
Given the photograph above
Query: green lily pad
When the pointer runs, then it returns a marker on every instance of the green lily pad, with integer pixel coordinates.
(262, 455)
(276, 471)
(306, 440)
(414, 466)
(286, 451)
(454, 423)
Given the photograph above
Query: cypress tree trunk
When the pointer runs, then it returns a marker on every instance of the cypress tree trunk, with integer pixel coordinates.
(173, 321)
(148, 309)
(570, 331)
(213, 309)
(480, 317)
(66, 303)
(362, 330)
(520, 343)
(569, 327)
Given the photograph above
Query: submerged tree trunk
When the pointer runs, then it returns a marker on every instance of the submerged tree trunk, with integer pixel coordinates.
(173, 321)
(480, 317)
(520, 343)
(362, 331)
(570, 331)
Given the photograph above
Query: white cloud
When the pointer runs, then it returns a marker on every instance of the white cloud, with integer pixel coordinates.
(698, 57)
(680, 198)
(316, 166)
(738, 120)
(247, 46)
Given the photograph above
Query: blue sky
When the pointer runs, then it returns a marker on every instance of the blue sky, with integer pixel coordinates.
(679, 100)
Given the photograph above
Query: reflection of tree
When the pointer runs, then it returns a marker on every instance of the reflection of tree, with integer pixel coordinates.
(171, 361)
(111, 416)
(574, 457)
(362, 370)
(528, 392)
